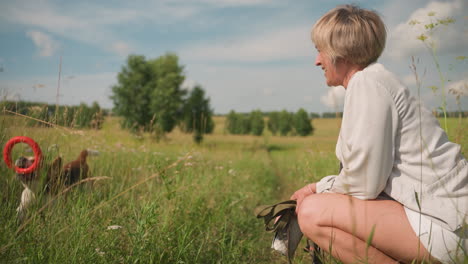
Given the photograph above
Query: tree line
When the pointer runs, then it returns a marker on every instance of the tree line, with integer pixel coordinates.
(81, 116)
(314, 115)
(278, 123)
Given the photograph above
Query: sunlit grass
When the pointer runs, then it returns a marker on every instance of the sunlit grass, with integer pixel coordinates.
(199, 211)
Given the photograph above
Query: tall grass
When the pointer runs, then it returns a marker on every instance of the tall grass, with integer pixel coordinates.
(198, 211)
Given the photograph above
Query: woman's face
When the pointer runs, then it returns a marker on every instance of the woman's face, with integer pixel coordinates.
(334, 74)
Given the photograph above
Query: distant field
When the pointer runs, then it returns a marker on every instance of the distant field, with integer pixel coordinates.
(199, 211)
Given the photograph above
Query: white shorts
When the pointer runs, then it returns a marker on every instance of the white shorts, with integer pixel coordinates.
(442, 244)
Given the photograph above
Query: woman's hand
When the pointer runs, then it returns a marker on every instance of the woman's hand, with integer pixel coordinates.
(302, 193)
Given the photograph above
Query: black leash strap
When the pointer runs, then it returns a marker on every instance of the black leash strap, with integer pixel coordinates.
(281, 218)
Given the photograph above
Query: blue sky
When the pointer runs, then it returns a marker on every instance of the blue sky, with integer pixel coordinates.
(246, 54)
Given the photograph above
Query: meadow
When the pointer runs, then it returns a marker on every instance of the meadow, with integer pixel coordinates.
(170, 201)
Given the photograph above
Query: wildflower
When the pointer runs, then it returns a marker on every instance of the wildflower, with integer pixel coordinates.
(114, 227)
(99, 252)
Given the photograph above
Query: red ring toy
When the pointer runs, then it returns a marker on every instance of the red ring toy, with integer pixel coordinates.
(36, 149)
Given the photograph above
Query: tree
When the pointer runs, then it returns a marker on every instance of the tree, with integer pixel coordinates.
(285, 123)
(167, 96)
(131, 95)
(97, 116)
(302, 123)
(148, 93)
(197, 114)
(83, 116)
(314, 115)
(273, 122)
(238, 123)
(257, 124)
(332, 114)
(232, 121)
(244, 125)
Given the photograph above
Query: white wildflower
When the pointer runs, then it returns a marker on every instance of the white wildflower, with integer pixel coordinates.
(99, 252)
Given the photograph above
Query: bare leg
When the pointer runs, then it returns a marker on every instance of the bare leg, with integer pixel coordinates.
(347, 223)
(347, 248)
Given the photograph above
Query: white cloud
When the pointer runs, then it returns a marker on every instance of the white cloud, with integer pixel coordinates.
(459, 88)
(280, 44)
(235, 2)
(46, 45)
(121, 48)
(403, 41)
(308, 99)
(95, 24)
(188, 84)
(214, 3)
(409, 80)
(267, 91)
(88, 24)
(334, 98)
(49, 19)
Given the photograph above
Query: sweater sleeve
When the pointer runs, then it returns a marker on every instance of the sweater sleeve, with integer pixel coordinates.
(366, 142)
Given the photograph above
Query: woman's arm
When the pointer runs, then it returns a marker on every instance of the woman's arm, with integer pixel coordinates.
(367, 141)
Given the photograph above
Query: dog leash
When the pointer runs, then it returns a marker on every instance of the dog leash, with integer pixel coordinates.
(35, 147)
(281, 218)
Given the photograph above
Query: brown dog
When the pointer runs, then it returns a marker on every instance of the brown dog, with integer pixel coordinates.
(77, 169)
(56, 179)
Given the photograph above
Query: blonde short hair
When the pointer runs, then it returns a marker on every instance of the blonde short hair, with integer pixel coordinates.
(352, 33)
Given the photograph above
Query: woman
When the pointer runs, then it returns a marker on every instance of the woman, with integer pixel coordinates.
(403, 186)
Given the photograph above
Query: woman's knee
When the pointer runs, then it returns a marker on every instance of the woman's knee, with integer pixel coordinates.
(309, 214)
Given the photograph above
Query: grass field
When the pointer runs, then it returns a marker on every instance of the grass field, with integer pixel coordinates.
(171, 201)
